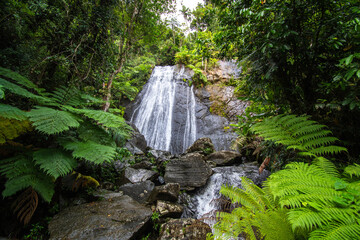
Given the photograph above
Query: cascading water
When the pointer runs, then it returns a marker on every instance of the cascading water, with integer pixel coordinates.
(155, 116)
(204, 203)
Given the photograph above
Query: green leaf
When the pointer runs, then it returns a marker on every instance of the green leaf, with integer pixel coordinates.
(51, 121)
(10, 112)
(54, 162)
(90, 151)
(2, 93)
(339, 185)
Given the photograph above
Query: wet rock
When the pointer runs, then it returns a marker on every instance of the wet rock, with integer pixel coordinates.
(106, 194)
(184, 229)
(119, 218)
(224, 158)
(143, 164)
(189, 172)
(168, 192)
(139, 175)
(169, 209)
(137, 143)
(138, 191)
(203, 145)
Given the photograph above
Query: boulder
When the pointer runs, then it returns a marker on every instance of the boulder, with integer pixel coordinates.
(203, 145)
(143, 164)
(137, 143)
(119, 218)
(138, 191)
(168, 192)
(184, 229)
(224, 158)
(190, 171)
(139, 175)
(169, 209)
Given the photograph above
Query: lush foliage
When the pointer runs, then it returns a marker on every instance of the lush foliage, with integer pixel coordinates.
(314, 199)
(301, 55)
(71, 131)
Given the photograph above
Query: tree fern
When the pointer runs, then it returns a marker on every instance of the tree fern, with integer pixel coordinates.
(90, 151)
(10, 112)
(19, 79)
(15, 89)
(22, 173)
(298, 133)
(54, 162)
(353, 170)
(51, 121)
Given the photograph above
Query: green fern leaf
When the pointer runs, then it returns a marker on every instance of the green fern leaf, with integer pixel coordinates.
(353, 170)
(68, 96)
(22, 92)
(10, 112)
(308, 137)
(51, 121)
(19, 79)
(348, 230)
(54, 162)
(90, 151)
(94, 133)
(104, 118)
(22, 173)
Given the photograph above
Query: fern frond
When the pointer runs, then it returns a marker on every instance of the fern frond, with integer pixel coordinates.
(13, 88)
(353, 170)
(11, 128)
(54, 162)
(348, 230)
(25, 205)
(68, 96)
(255, 191)
(22, 173)
(94, 133)
(50, 121)
(238, 195)
(19, 79)
(10, 112)
(326, 150)
(104, 118)
(90, 151)
(327, 166)
(308, 137)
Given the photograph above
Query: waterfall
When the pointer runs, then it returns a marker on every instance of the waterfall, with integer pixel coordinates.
(205, 202)
(156, 116)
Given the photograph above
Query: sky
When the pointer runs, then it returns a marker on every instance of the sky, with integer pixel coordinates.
(191, 4)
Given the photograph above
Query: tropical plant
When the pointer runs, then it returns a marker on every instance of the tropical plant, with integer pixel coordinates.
(73, 132)
(309, 139)
(321, 202)
(258, 217)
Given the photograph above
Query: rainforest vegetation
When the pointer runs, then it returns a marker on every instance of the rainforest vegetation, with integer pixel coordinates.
(68, 68)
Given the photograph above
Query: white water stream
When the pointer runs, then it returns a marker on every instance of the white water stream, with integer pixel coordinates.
(154, 115)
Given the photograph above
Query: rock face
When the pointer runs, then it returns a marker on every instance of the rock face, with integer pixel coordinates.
(169, 209)
(189, 171)
(203, 145)
(223, 158)
(119, 218)
(137, 143)
(184, 229)
(138, 191)
(168, 192)
(139, 175)
(192, 116)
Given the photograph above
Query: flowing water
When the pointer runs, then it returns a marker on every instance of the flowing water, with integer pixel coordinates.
(155, 116)
(207, 201)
